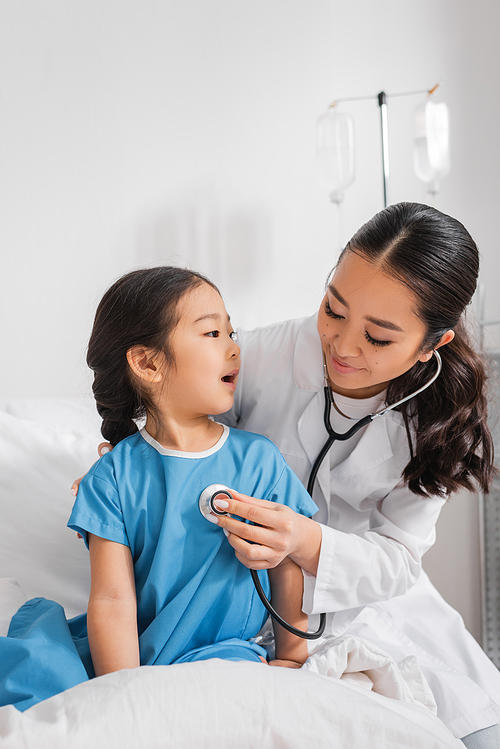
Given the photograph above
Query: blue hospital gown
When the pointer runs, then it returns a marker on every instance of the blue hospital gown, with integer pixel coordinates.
(195, 600)
(191, 590)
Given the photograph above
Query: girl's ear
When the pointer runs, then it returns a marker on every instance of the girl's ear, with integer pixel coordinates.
(144, 363)
(445, 338)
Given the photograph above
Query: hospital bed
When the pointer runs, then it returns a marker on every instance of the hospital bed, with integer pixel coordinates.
(352, 696)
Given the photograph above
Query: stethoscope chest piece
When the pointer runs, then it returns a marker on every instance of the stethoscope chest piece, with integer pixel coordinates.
(208, 497)
(207, 508)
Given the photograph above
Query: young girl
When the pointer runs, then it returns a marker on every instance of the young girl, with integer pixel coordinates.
(165, 584)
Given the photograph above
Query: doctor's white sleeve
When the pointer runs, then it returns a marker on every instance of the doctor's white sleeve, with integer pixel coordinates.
(378, 564)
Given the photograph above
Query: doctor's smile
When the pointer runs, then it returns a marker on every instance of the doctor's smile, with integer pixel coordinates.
(342, 367)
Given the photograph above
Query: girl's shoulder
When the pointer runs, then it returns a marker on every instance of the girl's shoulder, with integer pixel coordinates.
(265, 473)
(251, 438)
(254, 447)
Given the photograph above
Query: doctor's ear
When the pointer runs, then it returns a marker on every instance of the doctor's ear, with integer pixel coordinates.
(445, 338)
(145, 363)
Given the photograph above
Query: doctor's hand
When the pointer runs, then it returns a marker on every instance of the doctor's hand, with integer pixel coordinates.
(104, 447)
(278, 532)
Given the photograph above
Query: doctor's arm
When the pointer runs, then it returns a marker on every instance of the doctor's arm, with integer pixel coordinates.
(376, 564)
(112, 609)
(346, 570)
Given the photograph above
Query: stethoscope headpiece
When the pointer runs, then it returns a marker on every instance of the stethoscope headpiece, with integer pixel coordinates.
(208, 497)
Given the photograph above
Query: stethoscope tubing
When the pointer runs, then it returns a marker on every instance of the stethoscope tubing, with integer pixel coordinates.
(280, 620)
(333, 436)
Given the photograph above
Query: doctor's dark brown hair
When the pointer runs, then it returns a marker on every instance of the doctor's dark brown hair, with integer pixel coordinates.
(437, 259)
(141, 308)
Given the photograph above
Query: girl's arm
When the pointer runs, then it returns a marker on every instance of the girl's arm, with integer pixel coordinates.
(112, 610)
(286, 597)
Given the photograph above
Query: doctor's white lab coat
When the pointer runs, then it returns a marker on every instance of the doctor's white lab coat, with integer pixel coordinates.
(374, 530)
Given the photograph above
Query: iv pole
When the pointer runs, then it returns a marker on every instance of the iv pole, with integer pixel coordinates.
(382, 102)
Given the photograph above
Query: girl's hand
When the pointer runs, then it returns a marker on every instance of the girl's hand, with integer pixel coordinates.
(278, 532)
(104, 447)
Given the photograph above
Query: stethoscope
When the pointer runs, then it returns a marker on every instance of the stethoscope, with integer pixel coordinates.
(216, 491)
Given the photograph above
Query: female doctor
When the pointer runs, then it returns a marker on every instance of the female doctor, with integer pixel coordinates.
(396, 296)
(392, 309)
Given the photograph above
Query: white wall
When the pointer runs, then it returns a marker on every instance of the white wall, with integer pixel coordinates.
(453, 562)
(143, 132)
(146, 131)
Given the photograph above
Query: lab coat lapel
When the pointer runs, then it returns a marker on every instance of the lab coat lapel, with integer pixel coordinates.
(313, 436)
(308, 376)
(373, 450)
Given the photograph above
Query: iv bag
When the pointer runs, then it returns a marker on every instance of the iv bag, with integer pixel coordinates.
(335, 152)
(431, 155)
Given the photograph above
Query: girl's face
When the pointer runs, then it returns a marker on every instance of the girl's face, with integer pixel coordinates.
(207, 359)
(369, 329)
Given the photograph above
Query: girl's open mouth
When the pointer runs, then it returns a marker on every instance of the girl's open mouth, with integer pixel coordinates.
(230, 379)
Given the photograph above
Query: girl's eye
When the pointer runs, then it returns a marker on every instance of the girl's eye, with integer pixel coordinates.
(233, 335)
(331, 313)
(214, 333)
(375, 342)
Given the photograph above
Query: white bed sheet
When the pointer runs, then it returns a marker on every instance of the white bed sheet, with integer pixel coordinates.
(221, 704)
(331, 702)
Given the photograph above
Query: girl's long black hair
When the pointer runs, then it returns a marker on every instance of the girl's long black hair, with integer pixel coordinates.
(437, 259)
(141, 308)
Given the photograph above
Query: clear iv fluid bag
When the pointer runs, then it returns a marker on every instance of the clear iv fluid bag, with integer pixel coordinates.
(431, 154)
(335, 152)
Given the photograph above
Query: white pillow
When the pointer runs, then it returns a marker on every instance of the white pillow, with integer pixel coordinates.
(66, 414)
(38, 464)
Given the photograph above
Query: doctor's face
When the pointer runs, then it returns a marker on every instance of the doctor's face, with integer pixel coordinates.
(369, 329)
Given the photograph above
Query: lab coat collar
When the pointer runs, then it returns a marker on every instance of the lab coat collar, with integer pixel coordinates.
(308, 357)
(308, 376)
